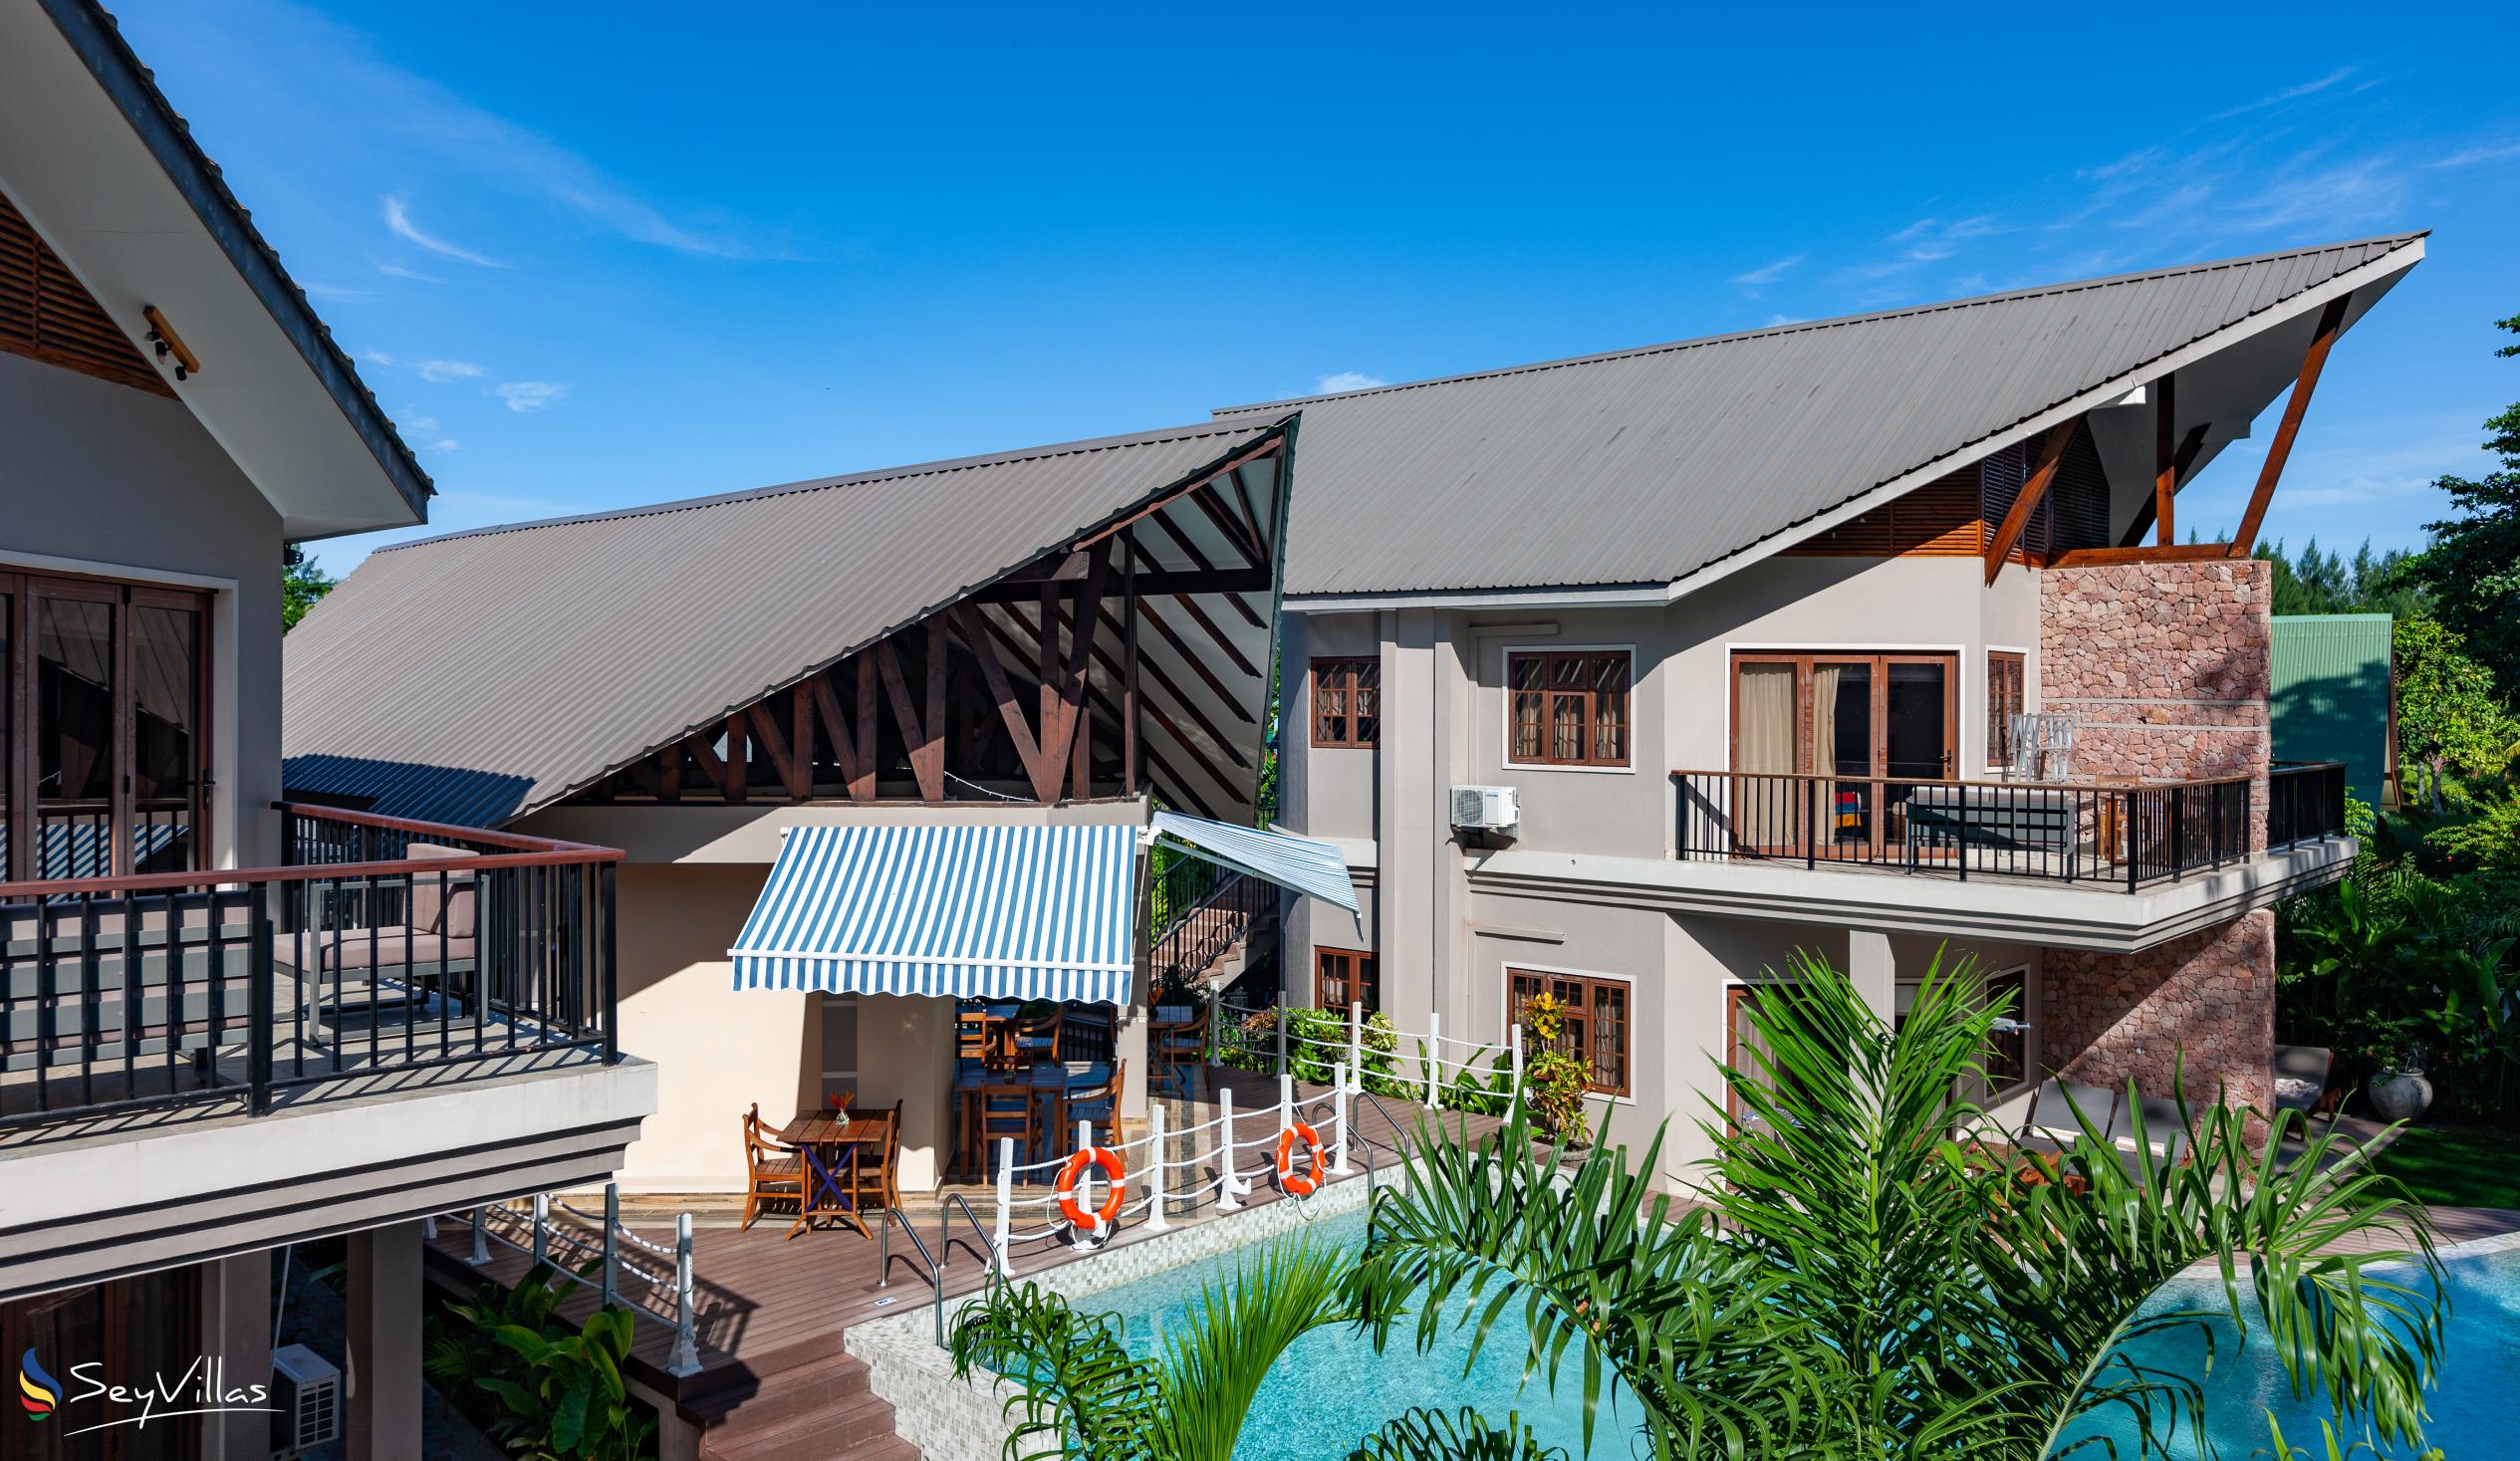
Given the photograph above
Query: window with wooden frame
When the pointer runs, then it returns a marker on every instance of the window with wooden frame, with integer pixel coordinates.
(1347, 702)
(104, 747)
(1344, 977)
(1568, 707)
(2008, 1051)
(2006, 678)
(1595, 1019)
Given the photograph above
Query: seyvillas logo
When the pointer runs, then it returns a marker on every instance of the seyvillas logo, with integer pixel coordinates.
(37, 1391)
(203, 1388)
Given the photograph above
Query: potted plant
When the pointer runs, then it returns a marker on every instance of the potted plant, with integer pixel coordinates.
(1554, 1081)
(2399, 1089)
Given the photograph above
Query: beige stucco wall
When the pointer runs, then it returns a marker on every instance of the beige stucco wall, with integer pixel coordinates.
(716, 1051)
(106, 479)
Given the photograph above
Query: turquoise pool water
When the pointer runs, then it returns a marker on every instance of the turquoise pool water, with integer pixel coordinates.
(1302, 1417)
(2473, 1409)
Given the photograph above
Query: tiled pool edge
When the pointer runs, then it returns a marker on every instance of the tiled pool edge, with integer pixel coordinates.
(951, 1419)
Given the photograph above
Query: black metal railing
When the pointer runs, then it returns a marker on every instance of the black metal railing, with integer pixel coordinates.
(2304, 801)
(1199, 912)
(381, 946)
(2126, 836)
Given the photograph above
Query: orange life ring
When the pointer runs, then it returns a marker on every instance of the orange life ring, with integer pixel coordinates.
(1069, 1175)
(1288, 1181)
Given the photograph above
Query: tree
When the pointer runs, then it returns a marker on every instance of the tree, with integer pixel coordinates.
(1867, 1277)
(301, 583)
(2317, 583)
(2472, 567)
(2449, 718)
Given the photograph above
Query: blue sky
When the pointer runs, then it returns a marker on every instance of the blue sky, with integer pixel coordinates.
(593, 256)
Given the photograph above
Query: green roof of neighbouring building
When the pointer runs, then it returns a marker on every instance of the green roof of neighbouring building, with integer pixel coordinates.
(2331, 695)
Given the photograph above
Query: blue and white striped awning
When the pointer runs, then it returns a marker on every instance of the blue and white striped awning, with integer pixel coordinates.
(1314, 869)
(997, 911)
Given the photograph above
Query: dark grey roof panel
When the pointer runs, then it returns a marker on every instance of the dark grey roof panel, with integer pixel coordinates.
(477, 676)
(1646, 465)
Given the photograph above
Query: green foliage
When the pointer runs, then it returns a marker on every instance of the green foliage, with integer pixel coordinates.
(1462, 1435)
(544, 1389)
(1554, 1081)
(1887, 1287)
(301, 583)
(2471, 568)
(2449, 717)
(1076, 1392)
(2317, 583)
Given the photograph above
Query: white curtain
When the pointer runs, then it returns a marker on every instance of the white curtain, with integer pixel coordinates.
(1764, 742)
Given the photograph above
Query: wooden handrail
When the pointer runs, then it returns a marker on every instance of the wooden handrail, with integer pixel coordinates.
(530, 853)
(2008, 786)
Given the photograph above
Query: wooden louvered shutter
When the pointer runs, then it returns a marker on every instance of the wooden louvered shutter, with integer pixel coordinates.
(47, 316)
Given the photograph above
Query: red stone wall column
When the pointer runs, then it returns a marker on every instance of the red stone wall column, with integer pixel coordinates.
(2169, 668)
(2108, 1018)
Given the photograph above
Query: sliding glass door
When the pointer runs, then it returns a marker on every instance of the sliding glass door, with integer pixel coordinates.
(1833, 741)
(102, 712)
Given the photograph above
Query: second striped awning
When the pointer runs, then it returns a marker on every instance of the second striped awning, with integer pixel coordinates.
(996, 911)
(1314, 869)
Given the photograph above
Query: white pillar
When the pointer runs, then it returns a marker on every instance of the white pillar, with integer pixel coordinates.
(1341, 1107)
(1434, 1048)
(1156, 1144)
(383, 1340)
(1286, 1103)
(1226, 1199)
(1005, 1195)
(1355, 1044)
(1873, 972)
(236, 1326)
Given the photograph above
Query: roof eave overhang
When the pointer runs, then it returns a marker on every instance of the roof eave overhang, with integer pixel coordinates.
(106, 172)
(2377, 273)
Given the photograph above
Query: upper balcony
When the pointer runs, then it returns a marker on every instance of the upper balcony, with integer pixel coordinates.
(2114, 869)
(404, 1017)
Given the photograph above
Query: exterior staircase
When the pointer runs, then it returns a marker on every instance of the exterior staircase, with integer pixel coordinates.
(819, 1408)
(1210, 921)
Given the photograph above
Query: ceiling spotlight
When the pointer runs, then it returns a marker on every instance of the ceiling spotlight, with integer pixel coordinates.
(163, 339)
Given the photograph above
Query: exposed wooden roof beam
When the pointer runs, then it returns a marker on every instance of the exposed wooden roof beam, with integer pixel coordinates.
(2313, 360)
(2050, 452)
(1199, 561)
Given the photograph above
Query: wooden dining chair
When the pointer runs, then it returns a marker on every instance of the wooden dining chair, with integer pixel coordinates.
(874, 1178)
(772, 1172)
(1040, 1039)
(1097, 1105)
(1179, 1050)
(1007, 1110)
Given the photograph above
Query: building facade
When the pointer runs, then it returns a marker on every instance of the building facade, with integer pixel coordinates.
(1866, 640)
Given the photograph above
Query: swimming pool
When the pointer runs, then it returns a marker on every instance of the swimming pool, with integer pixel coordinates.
(1296, 1420)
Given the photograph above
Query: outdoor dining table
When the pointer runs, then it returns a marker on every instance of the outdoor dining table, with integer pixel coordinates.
(822, 1137)
(1051, 1080)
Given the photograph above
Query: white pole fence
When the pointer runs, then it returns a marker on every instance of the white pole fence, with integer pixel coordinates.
(568, 1246)
(1215, 1163)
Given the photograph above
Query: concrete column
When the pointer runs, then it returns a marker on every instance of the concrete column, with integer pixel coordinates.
(384, 1420)
(236, 1326)
(1873, 972)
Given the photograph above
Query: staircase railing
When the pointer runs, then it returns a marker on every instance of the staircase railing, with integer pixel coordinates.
(1198, 925)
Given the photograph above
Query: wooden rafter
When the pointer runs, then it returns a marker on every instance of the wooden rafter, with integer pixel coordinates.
(926, 759)
(1196, 663)
(1163, 677)
(795, 772)
(1259, 451)
(977, 633)
(1187, 706)
(2140, 553)
(2313, 360)
(738, 763)
(1199, 561)
(1207, 581)
(2051, 453)
(859, 776)
(1070, 704)
(1163, 718)
(1253, 554)
(2180, 465)
(1199, 617)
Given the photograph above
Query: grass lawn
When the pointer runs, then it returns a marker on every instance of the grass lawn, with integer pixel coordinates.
(2455, 1166)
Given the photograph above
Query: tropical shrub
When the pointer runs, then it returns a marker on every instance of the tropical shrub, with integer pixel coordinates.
(1554, 1081)
(542, 1388)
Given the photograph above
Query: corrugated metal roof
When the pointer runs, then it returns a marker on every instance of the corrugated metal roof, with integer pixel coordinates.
(2329, 694)
(476, 676)
(1646, 465)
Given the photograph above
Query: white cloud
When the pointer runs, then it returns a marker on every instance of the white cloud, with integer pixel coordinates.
(1347, 380)
(422, 424)
(1766, 274)
(435, 371)
(1773, 320)
(528, 395)
(398, 270)
(398, 219)
(333, 294)
(2288, 94)
(444, 443)
(2470, 157)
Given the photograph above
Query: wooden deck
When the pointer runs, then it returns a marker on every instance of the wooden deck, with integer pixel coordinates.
(770, 1307)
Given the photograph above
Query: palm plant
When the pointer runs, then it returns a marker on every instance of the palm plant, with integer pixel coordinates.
(1887, 1285)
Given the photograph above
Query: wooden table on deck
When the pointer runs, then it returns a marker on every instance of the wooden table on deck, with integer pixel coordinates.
(820, 1136)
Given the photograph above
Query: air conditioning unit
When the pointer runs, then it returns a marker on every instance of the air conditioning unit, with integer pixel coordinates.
(306, 1390)
(1486, 808)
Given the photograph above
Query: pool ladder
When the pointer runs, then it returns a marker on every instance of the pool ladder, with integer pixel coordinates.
(944, 1247)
